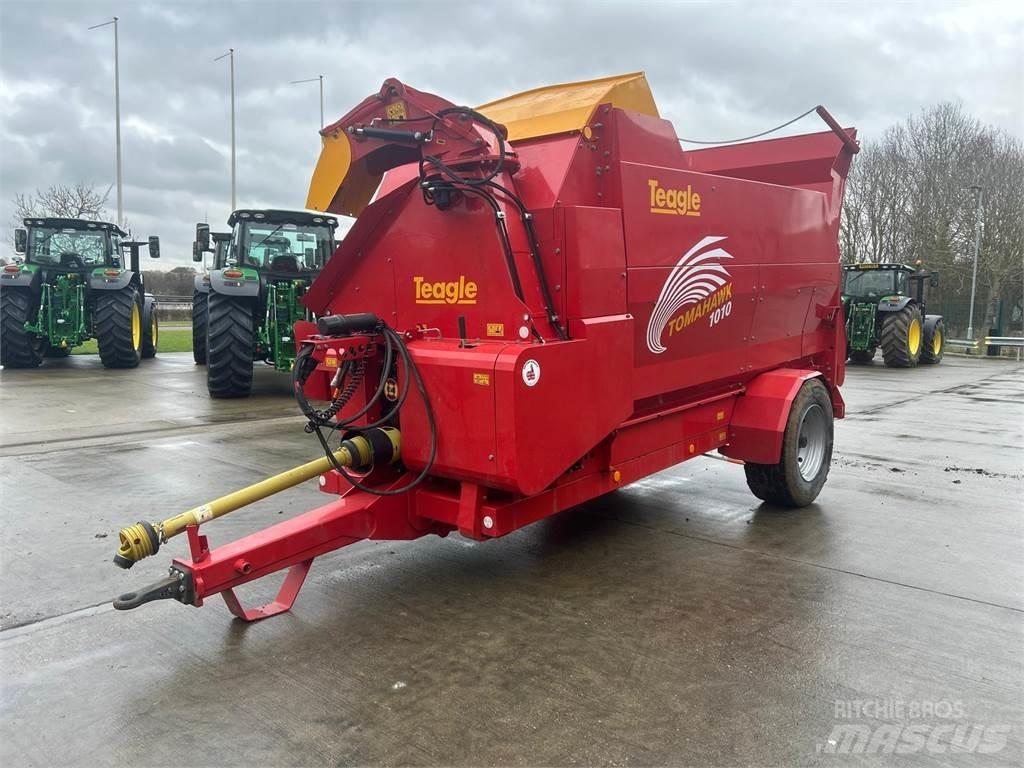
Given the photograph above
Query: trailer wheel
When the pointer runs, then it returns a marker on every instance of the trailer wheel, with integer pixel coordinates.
(902, 337)
(118, 321)
(934, 341)
(864, 356)
(229, 346)
(798, 478)
(18, 347)
(200, 323)
(150, 328)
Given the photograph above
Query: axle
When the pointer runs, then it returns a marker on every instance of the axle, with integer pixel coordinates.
(357, 452)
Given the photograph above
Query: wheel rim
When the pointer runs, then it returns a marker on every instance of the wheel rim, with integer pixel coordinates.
(812, 438)
(937, 341)
(153, 331)
(136, 327)
(914, 337)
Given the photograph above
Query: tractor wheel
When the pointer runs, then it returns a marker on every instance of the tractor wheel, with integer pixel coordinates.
(901, 337)
(797, 479)
(229, 346)
(934, 341)
(864, 356)
(117, 317)
(18, 347)
(200, 318)
(150, 329)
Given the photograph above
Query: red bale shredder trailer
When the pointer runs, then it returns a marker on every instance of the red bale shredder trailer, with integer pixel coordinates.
(542, 300)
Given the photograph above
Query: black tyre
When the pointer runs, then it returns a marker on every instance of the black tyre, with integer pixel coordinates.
(799, 476)
(150, 328)
(229, 346)
(117, 318)
(18, 347)
(901, 337)
(934, 341)
(200, 316)
(863, 356)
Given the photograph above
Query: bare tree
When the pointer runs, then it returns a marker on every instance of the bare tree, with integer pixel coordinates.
(909, 199)
(81, 201)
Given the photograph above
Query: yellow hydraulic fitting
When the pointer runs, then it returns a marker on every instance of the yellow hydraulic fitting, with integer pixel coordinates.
(359, 451)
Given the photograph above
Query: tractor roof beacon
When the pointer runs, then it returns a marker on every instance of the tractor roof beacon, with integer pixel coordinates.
(76, 279)
(245, 307)
(884, 306)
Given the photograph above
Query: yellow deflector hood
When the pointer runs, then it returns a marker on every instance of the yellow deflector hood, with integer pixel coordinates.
(342, 186)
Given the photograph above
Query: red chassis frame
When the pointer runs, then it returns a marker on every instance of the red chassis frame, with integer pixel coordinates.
(745, 422)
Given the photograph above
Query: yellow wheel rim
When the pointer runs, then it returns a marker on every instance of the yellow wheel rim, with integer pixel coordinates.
(914, 337)
(153, 331)
(937, 342)
(136, 327)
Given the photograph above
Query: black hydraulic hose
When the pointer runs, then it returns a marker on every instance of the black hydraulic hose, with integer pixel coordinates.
(538, 264)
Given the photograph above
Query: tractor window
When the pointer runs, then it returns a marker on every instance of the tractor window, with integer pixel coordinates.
(68, 247)
(286, 247)
(871, 282)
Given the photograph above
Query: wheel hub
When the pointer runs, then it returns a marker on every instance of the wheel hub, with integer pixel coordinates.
(812, 437)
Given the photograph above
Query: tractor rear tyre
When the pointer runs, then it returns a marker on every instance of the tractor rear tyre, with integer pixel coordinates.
(150, 328)
(799, 476)
(902, 337)
(18, 347)
(934, 341)
(864, 356)
(199, 326)
(118, 321)
(229, 348)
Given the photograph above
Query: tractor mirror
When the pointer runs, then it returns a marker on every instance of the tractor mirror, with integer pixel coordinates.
(203, 237)
(197, 255)
(154, 247)
(20, 240)
(934, 280)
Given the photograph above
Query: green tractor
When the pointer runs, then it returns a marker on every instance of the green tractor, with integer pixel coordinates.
(885, 307)
(247, 305)
(72, 285)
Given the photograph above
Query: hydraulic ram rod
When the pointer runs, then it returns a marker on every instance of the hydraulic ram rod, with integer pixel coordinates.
(144, 539)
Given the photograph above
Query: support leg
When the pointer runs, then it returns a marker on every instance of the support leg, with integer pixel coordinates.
(285, 597)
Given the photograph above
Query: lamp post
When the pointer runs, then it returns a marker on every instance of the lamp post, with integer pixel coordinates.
(319, 78)
(117, 120)
(977, 248)
(231, 55)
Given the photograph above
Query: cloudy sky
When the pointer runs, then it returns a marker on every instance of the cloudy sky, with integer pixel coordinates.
(718, 71)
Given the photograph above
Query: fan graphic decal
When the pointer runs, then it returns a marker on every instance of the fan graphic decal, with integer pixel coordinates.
(698, 279)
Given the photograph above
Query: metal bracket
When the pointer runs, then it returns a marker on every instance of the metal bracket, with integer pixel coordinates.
(283, 602)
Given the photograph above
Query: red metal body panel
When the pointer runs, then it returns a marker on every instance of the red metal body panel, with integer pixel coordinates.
(699, 291)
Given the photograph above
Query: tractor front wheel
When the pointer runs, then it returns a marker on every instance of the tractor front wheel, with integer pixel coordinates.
(18, 347)
(199, 326)
(118, 322)
(902, 337)
(934, 341)
(799, 476)
(229, 347)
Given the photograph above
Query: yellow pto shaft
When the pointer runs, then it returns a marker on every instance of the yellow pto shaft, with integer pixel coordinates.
(359, 451)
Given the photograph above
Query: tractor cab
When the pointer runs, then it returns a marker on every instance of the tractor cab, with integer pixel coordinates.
(281, 242)
(70, 244)
(875, 281)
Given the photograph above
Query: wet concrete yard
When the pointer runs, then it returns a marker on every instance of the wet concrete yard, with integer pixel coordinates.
(677, 621)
